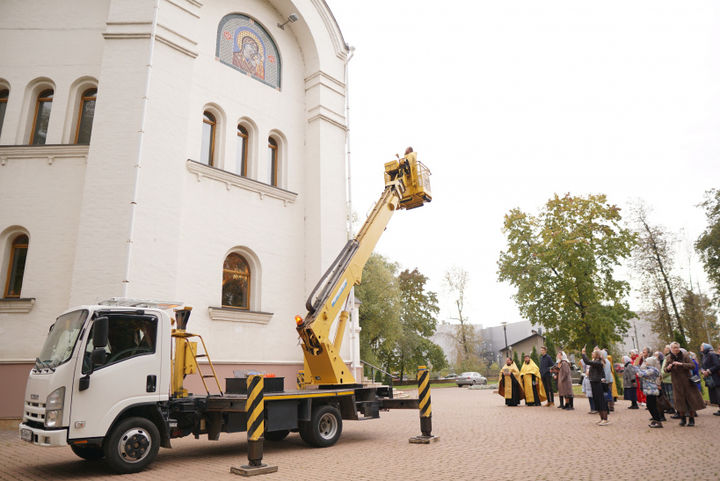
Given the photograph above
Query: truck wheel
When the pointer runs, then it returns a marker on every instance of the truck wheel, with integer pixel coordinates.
(276, 435)
(132, 445)
(324, 428)
(91, 453)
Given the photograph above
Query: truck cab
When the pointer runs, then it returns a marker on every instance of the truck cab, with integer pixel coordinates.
(99, 365)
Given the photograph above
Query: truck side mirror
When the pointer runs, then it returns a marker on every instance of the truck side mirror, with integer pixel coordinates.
(98, 356)
(100, 332)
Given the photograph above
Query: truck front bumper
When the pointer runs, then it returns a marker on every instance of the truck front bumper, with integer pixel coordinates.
(42, 437)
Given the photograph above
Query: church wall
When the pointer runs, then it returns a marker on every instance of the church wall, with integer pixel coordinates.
(78, 203)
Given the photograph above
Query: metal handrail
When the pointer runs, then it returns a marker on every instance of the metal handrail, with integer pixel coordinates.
(373, 368)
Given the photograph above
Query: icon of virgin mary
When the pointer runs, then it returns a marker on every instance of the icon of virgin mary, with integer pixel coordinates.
(249, 55)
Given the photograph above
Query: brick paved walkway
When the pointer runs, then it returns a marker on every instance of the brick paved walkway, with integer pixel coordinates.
(477, 433)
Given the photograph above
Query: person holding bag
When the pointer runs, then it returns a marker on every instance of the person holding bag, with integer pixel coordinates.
(688, 399)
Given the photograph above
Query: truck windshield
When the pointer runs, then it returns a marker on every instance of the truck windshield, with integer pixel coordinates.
(61, 340)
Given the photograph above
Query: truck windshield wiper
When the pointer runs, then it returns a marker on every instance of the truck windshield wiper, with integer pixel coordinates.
(43, 364)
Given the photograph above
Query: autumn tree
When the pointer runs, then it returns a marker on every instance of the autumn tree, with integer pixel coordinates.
(562, 264)
(708, 244)
(418, 320)
(661, 289)
(466, 336)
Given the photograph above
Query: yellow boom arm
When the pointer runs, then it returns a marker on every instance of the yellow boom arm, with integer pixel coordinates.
(407, 185)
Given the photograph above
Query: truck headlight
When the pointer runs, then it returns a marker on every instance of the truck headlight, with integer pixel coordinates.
(54, 407)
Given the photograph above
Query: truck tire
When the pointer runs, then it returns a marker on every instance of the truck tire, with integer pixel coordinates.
(276, 435)
(132, 445)
(324, 427)
(90, 453)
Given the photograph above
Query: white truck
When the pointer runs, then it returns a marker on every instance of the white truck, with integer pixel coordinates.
(109, 379)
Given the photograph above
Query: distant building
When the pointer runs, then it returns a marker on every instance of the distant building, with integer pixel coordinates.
(524, 346)
(640, 335)
(492, 338)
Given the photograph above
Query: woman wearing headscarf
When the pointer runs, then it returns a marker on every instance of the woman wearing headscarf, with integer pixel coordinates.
(564, 381)
(687, 398)
(649, 372)
(532, 383)
(509, 383)
(711, 372)
(630, 383)
(609, 380)
(597, 377)
(638, 361)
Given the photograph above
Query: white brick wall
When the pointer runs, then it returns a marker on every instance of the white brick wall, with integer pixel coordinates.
(78, 211)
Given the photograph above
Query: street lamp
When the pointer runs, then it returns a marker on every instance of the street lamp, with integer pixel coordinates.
(504, 325)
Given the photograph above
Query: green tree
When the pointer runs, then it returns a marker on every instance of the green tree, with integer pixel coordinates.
(534, 356)
(708, 244)
(418, 319)
(562, 264)
(552, 352)
(516, 360)
(379, 295)
(700, 319)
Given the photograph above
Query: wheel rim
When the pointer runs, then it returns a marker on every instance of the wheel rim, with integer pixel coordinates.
(134, 445)
(327, 426)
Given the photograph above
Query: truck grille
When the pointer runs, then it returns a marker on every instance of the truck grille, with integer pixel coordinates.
(34, 411)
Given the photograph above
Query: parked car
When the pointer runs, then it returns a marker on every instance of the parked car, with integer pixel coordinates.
(470, 378)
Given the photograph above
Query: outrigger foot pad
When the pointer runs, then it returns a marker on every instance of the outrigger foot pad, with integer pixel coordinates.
(253, 470)
(423, 439)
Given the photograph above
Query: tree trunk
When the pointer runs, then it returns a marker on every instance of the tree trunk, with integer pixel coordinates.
(654, 247)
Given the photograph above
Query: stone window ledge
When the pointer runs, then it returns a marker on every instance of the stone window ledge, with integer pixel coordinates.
(239, 315)
(235, 180)
(13, 305)
(50, 152)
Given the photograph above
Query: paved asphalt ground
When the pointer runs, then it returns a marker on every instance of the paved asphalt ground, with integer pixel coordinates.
(480, 439)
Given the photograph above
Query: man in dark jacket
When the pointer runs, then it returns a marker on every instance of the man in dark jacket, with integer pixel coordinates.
(546, 362)
(711, 369)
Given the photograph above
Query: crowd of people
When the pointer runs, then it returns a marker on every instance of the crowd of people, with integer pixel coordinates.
(667, 382)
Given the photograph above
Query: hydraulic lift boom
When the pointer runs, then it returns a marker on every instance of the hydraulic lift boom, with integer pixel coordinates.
(407, 186)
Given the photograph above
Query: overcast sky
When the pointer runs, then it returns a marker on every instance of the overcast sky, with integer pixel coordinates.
(510, 102)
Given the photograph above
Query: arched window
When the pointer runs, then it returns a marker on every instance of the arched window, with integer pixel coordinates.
(236, 282)
(85, 117)
(207, 155)
(242, 150)
(16, 266)
(4, 94)
(272, 166)
(43, 104)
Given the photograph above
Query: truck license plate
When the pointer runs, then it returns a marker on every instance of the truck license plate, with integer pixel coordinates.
(26, 435)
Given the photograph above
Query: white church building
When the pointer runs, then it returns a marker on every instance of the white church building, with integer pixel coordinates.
(189, 150)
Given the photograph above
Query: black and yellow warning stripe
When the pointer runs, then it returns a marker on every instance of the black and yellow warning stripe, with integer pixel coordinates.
(424, 393)
(256, 408)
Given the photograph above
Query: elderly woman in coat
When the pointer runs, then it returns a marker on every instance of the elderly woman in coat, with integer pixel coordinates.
(564, 381)
(687, 398)
(630, 383)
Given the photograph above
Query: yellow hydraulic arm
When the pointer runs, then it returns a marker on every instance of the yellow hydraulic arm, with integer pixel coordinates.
(407, 185)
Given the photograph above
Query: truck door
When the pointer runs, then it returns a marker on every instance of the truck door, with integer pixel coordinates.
(130, 374)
